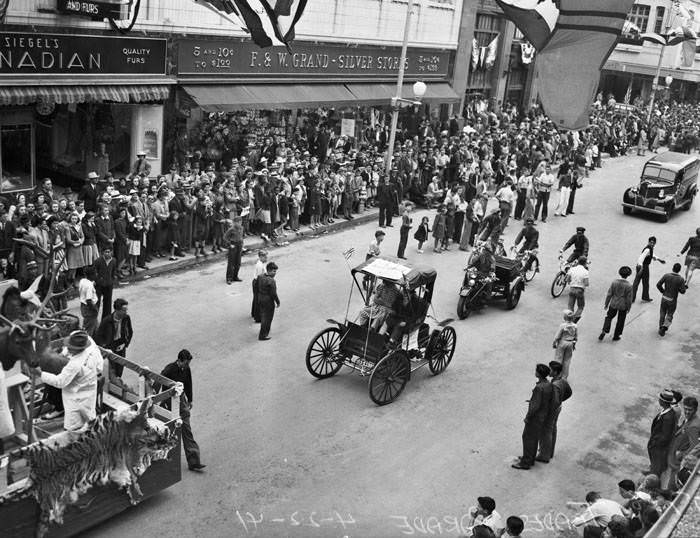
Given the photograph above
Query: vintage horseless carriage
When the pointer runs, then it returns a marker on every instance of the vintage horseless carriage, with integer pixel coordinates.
(364, 348)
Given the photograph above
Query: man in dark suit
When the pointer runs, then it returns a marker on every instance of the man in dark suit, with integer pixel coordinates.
(539, 406)
(7, 234)
(115, 333)
(104, 229)
(684, 439)
(105, 277)
(662, 429)
(561, 391)
(88, 194)
(618, 302)
(267, 299)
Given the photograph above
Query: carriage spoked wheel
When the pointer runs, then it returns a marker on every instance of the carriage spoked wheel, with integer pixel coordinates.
(389, 377)
(323, 358)
(558, 284)
(440, 350)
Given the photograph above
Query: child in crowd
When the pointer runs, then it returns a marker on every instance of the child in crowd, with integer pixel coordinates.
(421, 234)
(406, 222)
(439, 228)
(565, 342)
(134, 235)
(373, 251)
(173, 234)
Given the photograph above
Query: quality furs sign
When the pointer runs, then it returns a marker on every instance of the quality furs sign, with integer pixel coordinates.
(59, 54)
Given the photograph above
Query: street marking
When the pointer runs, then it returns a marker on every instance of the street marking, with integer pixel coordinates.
(635, 317)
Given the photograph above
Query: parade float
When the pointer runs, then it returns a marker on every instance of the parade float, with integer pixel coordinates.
(58, 483)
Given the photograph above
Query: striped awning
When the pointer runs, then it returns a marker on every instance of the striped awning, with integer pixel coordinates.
(25, 95)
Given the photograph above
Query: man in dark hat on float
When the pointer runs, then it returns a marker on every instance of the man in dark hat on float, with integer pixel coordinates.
(77, 380)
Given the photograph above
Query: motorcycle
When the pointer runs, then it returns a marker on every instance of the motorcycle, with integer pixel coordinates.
(472, 293)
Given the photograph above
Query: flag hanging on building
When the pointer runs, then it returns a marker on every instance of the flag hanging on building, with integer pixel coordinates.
(482, 56)
(3, 10)
(475, 54)
(269, 22)
(491, 51)
(573, 39)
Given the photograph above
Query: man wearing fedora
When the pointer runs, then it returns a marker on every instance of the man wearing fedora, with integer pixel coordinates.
(662, 429)
(77, 380)
(141, 166)
(539, 406)
(88, 194)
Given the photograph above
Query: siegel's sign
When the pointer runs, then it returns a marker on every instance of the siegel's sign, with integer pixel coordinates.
(59, 54)
(246, 60)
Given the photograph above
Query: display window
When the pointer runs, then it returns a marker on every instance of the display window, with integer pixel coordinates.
(16, 163)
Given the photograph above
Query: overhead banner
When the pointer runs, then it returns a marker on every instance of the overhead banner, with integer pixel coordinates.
(61, 54)
(245, 60)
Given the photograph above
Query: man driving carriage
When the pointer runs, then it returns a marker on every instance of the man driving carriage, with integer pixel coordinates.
(410, 311)
(485, 265)
(382, 305)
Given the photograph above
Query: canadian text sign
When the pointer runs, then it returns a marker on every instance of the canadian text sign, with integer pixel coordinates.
(59, 54)
(244, 60)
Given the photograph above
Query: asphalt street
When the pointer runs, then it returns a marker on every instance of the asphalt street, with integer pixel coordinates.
(288, 455)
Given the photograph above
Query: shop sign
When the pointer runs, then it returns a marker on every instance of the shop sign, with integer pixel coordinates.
(92, 10)
(60, 54)
(245, 60)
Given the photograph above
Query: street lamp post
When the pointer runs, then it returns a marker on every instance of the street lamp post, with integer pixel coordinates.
(419, 89)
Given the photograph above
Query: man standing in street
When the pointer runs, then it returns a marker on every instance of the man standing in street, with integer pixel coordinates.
(692, 259)
(684, 439)
(267, 299)
(105, 277)
(115, 333)
(618, 302)
(259, 271)
(642, 274)
(578, 282)
(662, 429)
(506, 198)
(538, 410)
(561, 391)
(179, 371)
(234, 239)
(670, 285)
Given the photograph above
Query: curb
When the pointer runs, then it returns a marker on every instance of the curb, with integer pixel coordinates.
(250, 247)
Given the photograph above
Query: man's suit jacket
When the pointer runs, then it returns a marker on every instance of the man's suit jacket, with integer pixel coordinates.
(7, 245)
(88, 194)
(540, 402)
(619, 295)
(662, 429)
(685, 437)
(104, 336)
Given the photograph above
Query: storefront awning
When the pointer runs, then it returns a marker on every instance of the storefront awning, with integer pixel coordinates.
(24, 95)
(227, 98)
(374, 94)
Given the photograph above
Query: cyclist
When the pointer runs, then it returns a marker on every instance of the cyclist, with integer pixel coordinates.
(580, 243)
(529, 236)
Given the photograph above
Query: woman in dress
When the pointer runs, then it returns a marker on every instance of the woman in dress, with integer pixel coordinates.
(73, 238)
(134, 232)
(202, 213)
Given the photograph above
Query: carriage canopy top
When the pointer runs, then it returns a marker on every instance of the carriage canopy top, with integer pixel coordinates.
(401, 274)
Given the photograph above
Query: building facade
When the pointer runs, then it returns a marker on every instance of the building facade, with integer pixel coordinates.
(76, 95)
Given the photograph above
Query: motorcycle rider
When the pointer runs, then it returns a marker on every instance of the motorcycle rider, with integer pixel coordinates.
(485, 265)
(580, 243)
(529, 236)
(491, 228)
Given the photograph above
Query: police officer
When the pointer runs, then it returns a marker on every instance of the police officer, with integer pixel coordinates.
(267, 299)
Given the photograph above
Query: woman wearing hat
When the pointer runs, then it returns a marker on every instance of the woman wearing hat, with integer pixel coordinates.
(77, 380)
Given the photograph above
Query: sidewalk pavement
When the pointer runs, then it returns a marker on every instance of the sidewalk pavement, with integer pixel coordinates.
(160, 266)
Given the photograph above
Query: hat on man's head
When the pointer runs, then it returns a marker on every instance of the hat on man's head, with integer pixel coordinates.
(580, 229)
(93, 175)
(179, 190)
(31, 263)
(542, 370)
(666, 396)
(141, 152)
(78, 341)
(133, 191)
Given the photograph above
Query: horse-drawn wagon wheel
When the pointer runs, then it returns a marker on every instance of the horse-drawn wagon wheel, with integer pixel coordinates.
(441, 349)
(323, 358)
(389, 377)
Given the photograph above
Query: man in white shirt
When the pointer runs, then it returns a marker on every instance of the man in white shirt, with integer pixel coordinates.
(77, 380)
(259, 270)
(506, 198)
(598, 514)
(89, 304)
(543, 184)
(577, 277)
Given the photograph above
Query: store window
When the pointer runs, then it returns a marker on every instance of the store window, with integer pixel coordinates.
(639, 16)
(659, 19)
(16, 141)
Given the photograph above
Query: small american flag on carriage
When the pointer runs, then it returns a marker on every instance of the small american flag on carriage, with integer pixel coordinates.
(347, 254)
